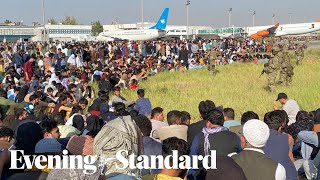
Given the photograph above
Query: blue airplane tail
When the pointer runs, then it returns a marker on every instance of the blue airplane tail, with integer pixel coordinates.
(162, 22)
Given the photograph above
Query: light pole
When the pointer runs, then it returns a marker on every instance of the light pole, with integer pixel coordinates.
(273, 18)
(187, 4)
(290, 20)
(253, 17)
(229, 13)
(43, 21)
(290, 15)
(142, 21)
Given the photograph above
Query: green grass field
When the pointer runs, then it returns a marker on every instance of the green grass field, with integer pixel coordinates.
(236, 86)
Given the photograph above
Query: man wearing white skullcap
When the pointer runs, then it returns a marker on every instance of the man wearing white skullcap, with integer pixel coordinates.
(254, 163)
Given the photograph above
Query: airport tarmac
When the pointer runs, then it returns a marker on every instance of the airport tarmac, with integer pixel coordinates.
(314, 44)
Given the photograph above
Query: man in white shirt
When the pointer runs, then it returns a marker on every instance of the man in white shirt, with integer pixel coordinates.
(72, 60)
(289, 105)
(157, 118)
(175, 128)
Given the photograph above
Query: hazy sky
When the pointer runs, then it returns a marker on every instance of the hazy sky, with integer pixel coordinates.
(202, 12)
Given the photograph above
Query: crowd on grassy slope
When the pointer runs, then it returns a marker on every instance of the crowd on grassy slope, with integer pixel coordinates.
(47, 105)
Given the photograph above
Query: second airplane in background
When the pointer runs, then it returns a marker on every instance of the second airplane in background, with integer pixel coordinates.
(282, 30)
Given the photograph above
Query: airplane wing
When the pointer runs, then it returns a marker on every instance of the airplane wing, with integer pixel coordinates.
(265, 33)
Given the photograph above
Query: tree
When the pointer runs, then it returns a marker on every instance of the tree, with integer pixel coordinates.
(97, 28)
(7, 21)
(70, 20)
(52, 21)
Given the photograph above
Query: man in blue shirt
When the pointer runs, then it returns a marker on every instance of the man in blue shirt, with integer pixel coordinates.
(143, 105)
(229, 121)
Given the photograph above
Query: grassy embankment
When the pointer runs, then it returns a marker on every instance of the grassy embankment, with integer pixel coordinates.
(236, 86)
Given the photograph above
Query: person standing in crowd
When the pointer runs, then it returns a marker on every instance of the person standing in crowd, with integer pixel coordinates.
(26, 55)
(289, 105)
(183, 57)
(28, 69)
(18, 61)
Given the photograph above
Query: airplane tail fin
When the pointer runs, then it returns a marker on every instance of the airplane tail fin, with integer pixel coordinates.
(162, 22)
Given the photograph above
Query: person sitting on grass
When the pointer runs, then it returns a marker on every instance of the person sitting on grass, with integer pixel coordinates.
(229, 118)
(194, 128)
(186, 118)
(213, 137)
(118, 98)
(175, 128)
(244, 118)
(143, 105)
(253, 161)
(133, 85)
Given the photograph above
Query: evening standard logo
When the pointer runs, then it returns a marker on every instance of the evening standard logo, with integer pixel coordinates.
(89, 166)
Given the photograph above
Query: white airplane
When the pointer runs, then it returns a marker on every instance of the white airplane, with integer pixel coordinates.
(156, 31)
(282, 30)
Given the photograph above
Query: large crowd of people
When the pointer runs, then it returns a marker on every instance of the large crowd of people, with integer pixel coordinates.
(48, 103)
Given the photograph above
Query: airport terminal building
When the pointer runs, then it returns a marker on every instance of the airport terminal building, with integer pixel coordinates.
(82, 32)
(50, 32)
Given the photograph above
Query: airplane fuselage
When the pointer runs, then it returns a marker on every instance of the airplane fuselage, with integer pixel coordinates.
(287, 29)
(156, 31)
(135, 35)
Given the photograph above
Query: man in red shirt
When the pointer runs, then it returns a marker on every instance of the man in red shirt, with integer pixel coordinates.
(28, 69)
